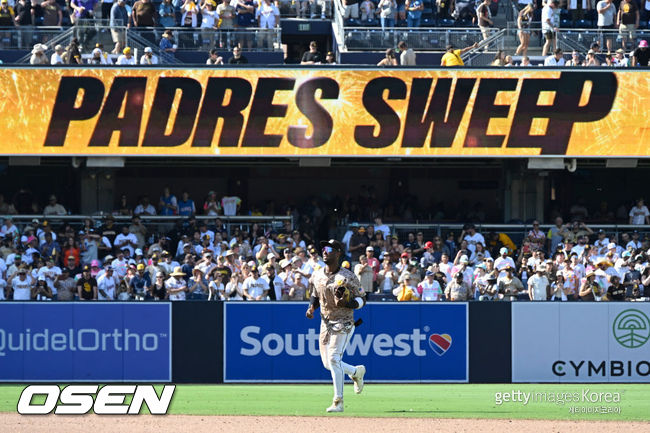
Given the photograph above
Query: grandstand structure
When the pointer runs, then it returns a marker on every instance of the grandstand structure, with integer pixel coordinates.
(353, 41)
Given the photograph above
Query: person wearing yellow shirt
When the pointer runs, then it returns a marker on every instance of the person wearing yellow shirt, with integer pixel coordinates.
(452, 56)
(406, 292)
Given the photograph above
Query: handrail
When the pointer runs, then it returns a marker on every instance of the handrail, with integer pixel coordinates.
(485, 43)
(65, 35)
(338, 26)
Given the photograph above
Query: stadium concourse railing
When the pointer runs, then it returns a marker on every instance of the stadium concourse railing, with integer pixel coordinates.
(516, 232)
(431, 39)
(155, 224)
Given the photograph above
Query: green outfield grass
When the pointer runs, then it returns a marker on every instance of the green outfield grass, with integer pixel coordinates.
(424, 401)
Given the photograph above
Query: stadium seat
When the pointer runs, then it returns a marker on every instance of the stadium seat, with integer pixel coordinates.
(584, 24)
(464, 23)
(566, 24)
(446, 22)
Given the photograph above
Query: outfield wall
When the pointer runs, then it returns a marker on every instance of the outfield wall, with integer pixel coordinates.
(214, 342)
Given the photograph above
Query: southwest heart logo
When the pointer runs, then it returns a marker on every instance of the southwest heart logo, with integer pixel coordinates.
(440, 343)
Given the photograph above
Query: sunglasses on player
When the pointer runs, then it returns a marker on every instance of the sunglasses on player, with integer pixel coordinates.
(328, 250)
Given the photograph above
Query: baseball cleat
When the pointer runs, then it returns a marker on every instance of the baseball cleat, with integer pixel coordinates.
(358, 378)
(337, 406)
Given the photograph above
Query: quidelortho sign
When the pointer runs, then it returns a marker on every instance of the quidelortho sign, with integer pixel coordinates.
(580, 342)
(274, 342)
(72, 342)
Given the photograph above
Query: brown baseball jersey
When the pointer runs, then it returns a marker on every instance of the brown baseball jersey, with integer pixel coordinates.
(324, 286)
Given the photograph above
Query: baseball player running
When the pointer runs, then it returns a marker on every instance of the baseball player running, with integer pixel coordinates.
(338, 293)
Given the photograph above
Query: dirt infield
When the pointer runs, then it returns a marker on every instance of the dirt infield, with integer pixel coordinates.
(15, 423)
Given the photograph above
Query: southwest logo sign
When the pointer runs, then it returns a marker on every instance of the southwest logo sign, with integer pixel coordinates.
(631, 328)
(440, 343)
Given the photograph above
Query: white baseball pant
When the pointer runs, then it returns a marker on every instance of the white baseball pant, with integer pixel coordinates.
(331, 353)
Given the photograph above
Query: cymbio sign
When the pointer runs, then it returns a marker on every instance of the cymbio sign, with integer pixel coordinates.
(274, 342)
(580, 342)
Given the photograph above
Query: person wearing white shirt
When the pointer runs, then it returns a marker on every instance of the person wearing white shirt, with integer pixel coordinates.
(106, 285)
(126, 58)
(255, 288)
(57, 58)
(273, 280)
(639, 214)
(126, 240)
(430, 288)
(472, 237)
(268, 17)
(556, 59)
(176, 285)
(3, 288)
(148, 58)
(22, 286)
(120, 264)
(230, 205)
(49, 273)
(381, 227)
(550, 24)
(503, 262)
(538, 285)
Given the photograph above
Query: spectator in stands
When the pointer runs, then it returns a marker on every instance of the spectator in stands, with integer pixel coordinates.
(176, 285)
(619, 60)
(148, 58)
(227, 14)
(499, 59)
(389, 60)
(230, 205)
(484, 18)
(86, 285)
(167, 14)
(237, 57)
(167, 205)
(126, 58)
(119, 17)
(577, 8)
(53, 208)
(144, 14)
(313, 56)
(452, 56)
(524, 19)
(23, 19)
(509, 62)
(351, 9)
(591, 59)
(7, 19)
(407, 56)
(268, 18)
(57, 56)
(556, 59)
(52, 13)
(367, 11)
(245, 10)
(97, 58)
(387, 10)
(167, 44)
(209, 21)
(575, 59)
(627, 21)
(525, 61)
(414, 10)
(538, 284)
(458, 289)
(330, 59)
(606, 16)
(639, 214)
(144, 207)
(38, 55)
(214, 58)
(550, 24)
(641, 55)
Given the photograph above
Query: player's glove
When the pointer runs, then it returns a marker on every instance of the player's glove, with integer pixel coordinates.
(341, 296)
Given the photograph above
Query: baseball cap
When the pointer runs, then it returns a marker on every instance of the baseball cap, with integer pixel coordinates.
(643, 43)
(86, 268)
(270, 256)
(108, 257)
(370, 249)
(97, 51)
(611, 245)
(148, 50)
(336, 245)
(22, 271)
(503, 250)
(18, 257)
(140, 267)
(94, 263)
(126, 50)
(295, 259)
(464, 259)
(362, 229)
(429, 244)
(404, 255)
(284, 263)
(138, 252)
(428, 274)
(65, 270)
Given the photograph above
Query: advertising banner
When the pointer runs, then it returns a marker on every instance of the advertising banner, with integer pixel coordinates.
(274, 342)
(580, 342)
(324, 112)
(85, 342)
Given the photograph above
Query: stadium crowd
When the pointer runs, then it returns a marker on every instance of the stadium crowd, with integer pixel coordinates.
(199, 259)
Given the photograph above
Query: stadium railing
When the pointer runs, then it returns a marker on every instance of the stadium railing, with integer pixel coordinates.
(197, 39)
(311, 9)
(155, 224)
(373, 39)
(516, 232)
